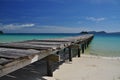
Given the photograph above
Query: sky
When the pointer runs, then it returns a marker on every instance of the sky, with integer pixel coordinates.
(59, 16)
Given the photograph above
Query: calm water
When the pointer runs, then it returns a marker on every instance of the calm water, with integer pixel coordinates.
(22, 37)
(102, 44)
(105, 45)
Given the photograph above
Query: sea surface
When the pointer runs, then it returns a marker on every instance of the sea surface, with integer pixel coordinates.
(102, 44)
(14, 37)
(105, 45)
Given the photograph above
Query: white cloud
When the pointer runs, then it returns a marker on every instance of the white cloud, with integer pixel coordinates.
(55, 29)
(15, 26)
(32, 28)
(95, 19)
(80, 22)
(104, 1)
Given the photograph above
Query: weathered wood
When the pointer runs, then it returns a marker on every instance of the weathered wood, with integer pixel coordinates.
(16, 53)
(44, 43)
(4, 61)
(26, 46)
(33, 46)
(78, 51)
(49, 60)
(49, 69)
(53, 58)
(82, 46)
(64, 49)
(20, 63)
(68, 39)
(70, 55)
(85, 45)
(50, 40)
(87, 42)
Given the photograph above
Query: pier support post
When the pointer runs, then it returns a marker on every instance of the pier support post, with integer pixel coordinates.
(78, 51)
(70, 55)
(49, 61)
(49, 70)
(64, 49)
(57, 52)
(85, 45)
(88, 42)
(82, 46)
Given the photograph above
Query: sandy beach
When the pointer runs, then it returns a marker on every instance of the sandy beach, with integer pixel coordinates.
(86, 67)
(89, 68)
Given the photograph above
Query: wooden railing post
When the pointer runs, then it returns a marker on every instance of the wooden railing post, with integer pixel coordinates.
(82, 46)
(85, 45)
(64, 49)
(49, 70)
(70, 55)
(78, 51)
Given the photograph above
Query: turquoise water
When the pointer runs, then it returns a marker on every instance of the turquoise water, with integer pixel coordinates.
(102, 44)
(23, 37)
(105, 45)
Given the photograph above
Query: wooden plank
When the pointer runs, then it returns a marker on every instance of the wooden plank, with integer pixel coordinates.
(16, 53)
(53, 46)
(64, 40)
(4, 61)
(49, 40)
(25, 46)
(46, 43)
(20, 63)
(53, 58)
(33, 45)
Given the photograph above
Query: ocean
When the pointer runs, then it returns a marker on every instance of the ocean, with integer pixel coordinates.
(14, 37)
(105, 45)
(102, 44)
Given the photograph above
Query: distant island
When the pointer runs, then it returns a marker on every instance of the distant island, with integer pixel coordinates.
(115, 32)
(84, 32)
(93, 32)
(1, 32)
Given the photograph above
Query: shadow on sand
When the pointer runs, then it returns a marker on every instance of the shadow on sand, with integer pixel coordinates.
(35, 71)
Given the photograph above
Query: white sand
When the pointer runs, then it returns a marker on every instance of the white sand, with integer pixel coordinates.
(84, 68)
(89, 68)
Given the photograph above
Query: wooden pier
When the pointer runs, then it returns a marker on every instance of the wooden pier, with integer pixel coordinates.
(16, 55)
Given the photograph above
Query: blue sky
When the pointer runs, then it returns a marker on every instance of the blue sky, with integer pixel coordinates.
(59, 16)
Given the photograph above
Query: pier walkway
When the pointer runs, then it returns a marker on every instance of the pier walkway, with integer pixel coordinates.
(16, 55)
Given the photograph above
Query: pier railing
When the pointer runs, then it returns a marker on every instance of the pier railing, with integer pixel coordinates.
(16, 55)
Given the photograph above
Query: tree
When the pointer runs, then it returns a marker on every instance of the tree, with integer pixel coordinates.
(84, 32)
(1, 32)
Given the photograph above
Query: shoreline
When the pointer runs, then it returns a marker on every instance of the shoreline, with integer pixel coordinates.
(102, 57)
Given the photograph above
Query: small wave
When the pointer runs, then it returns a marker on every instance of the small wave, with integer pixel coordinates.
(102, 57)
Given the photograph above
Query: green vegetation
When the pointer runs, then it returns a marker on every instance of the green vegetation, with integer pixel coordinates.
(84, 32)
(1, 32)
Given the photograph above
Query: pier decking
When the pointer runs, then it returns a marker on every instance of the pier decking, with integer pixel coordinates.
(16, 55)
